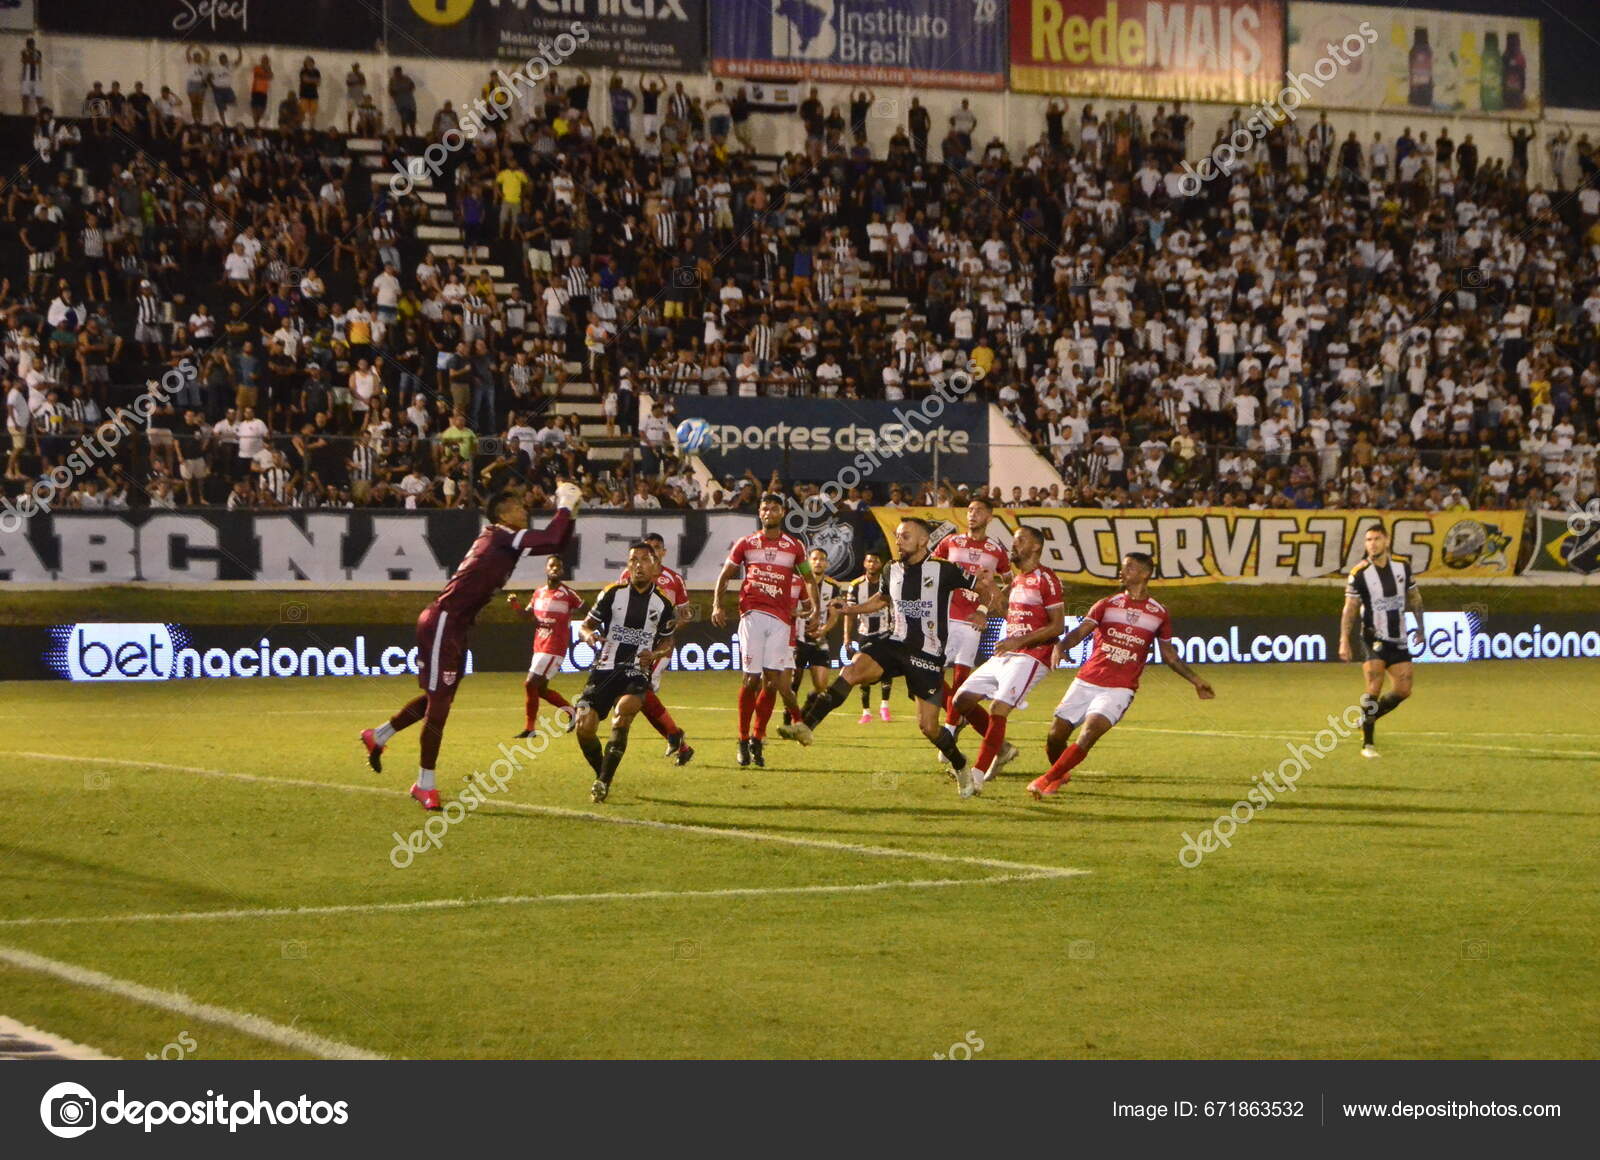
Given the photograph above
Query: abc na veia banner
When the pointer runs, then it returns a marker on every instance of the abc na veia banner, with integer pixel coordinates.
(1191, 50)
(1206, 545)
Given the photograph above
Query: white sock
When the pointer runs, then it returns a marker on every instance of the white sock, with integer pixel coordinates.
(382, 733)
(424, 779)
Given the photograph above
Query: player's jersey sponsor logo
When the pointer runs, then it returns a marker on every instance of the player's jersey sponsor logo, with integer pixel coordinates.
(915, 609)
(622, 635)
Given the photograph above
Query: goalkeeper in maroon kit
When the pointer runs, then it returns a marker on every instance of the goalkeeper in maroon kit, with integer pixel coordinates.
(444, 625)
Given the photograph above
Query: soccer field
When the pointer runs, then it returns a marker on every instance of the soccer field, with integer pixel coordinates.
(223, 843)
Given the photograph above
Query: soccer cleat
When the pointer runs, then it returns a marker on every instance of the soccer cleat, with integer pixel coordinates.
(866, 717)
(1008, 753)
(799, 731)
(674, 743)
(966, 786)
(757, 757)
(744, 748)
(428, 797)
(1045, 786)
(374, 750)
(524, 733)
(599, 790)
(883, 712)
(1369, 751)
(684, 753)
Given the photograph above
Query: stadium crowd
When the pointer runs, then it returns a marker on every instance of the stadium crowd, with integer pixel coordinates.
(1325, 323)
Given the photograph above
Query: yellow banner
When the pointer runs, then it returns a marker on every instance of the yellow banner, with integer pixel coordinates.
(1206, 545)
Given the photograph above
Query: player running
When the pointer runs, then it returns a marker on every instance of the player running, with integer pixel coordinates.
(552, 609)
(917, 590)
(770, 558)
(672, 583)
(811, 648)
(972, 552)
(1035, 616)
(789, 678)
(1125, 627)
(1380, 593)
(630, 628)
(444, 625)
(867, 626)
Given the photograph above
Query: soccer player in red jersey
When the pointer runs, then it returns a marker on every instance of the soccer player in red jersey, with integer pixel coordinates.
(444, 625)
(767, 699)
(1125, 626)
(973, 552)
(672, 583)
(1035, 617)
(770, 559)
(552, 608)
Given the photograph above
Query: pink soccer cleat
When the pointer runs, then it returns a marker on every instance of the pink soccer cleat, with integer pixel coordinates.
(865, 718)
(374, 750)
(883, 712)
(428, 797)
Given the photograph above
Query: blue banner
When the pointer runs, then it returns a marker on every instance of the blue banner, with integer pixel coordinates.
(855, 442)
(952, 44)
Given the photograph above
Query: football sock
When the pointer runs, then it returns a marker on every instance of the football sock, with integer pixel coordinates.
(836, 695)
(945, 742)
(1063, 765)
(530, 705)
(866, 699)
(591, 751)
(383, 732)
(747, 706)
(410, 713)
(765, 700)
(656, 713)
(978, 718)
(883, 696)
(556, 698)
(994, 737)
(811, 699)
(615, 748)
(433, 726)
(425, 779)
(1371, 709)
(951, 716)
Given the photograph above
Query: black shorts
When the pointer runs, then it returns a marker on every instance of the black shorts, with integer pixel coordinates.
(811, 655)
(1388, 652)
(606, 687)
(924, 674)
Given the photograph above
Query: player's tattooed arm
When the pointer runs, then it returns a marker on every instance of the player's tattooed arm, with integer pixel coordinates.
(1414, 606)
(1347, 625)
(1175, 662)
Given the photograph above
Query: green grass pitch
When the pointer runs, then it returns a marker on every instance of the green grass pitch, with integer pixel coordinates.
(1437, 902)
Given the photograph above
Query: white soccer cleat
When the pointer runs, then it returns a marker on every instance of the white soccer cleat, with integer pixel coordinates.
(1008, 753)
(966, 785)
(569, 496)
(1369, 751)
(796, 731)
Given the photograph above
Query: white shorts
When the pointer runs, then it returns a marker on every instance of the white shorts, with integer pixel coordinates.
(962, 647)
(655, 673)
(1082, 698)
(545, 665)
(1007, 677)
(33, 89)
(764, 643)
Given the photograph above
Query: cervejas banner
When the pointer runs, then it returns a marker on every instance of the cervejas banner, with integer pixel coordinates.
(654, 35)
(954, 44)
(1566, 545)
(315, 23)
(1205, 545)
(1423, 61)
(1192, 50)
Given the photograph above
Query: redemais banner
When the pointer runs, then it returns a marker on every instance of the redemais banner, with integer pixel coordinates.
(1204, 545)
(1154, 50)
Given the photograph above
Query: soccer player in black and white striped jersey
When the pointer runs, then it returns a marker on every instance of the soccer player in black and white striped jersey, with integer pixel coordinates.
(630, 627)
(1380, 593)
(868, 626)
(917, 594)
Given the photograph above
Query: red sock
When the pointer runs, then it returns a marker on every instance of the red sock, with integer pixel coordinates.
(764, 703)
(530, 705)
(1062, 769)
(962, 672)
(556, 698)
(747, 706)
(993, 738)
(656, 713)
(978, 717)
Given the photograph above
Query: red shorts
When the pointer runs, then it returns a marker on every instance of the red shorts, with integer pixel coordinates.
(441, 650)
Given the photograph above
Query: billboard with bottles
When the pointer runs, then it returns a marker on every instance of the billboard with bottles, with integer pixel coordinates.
(1425, 60)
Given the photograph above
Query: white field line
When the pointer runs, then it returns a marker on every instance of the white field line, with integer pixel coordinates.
(1277, 736)
(587, 816)
(522, 900)
(14, 1031)
(180, 1004)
